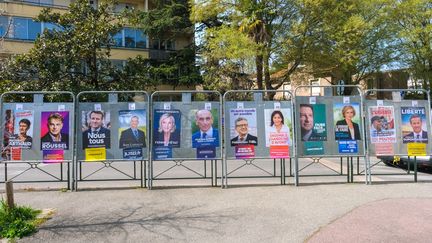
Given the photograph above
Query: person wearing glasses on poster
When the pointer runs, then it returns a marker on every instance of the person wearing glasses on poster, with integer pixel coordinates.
(242, 128)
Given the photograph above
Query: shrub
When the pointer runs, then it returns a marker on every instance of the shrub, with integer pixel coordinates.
(17, 221)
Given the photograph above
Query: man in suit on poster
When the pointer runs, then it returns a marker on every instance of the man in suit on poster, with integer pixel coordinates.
(207, 134)
(242, 128)
(132, 137)
(96, 136)
(417, 135)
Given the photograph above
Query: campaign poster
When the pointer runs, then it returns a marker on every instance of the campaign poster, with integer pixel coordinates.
(8, 133)
(382, 125)
(23, 129)
(313, 122)
(243, 127)
(347, 121)
(347, 146)
(161, 153)
(205, 128)
(132, 129)
(54, 130)
(314, 148)
(96, 129)
(95, 154)
(53, 156)
(166, 128)
(133, 153)
(278, 127)
(414, 128)
(206, 152)
(244, 151)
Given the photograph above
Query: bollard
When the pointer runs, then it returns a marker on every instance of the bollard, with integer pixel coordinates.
(9, 195)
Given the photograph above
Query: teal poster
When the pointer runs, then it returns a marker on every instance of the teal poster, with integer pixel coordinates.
(313, 122)
(314, 148)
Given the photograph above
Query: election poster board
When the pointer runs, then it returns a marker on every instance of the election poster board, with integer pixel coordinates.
(313, 122)
(205, 131)
(414, 127)
(96, 133)
(382, 124)
(278, 130)
(347, 127)
(23, 129)
(166, 132)
(54, 138)
(132, 133)
(347, 121)
(243, 132)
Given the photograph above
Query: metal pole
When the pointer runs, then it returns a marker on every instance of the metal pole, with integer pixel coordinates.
(358, 165)
(348, 170)
(68, 176)
(141, 174)
(211, 172)
(296, 172)
(415, 168)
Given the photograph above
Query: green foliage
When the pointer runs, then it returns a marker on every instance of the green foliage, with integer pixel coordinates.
(167, 19)
(413, 26)
(17, 222)
(76, 56)
(352, 38)
(72, 57)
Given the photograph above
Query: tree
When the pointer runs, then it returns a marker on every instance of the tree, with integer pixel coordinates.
(413, 22)
(168, 20)
(74, 55)
(341, 39)
(355, 38)
(251, 36)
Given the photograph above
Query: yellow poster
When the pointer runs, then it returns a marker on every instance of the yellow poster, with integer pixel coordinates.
(417, 149)
(95, 154)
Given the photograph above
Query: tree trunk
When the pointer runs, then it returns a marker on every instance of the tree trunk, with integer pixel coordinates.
(267, 78)
(259, 67)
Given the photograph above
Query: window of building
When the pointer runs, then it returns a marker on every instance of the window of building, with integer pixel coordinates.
(51, 26)
(46, 2)
(34, 29)
(4, 24)
(163, 44)
(141, 39)
(118, 39)
(130, 38)
(25, 28)
(118, 64)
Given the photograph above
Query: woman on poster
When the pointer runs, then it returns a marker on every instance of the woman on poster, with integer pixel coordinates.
(353, 131)
(167, 135)
(279, 133)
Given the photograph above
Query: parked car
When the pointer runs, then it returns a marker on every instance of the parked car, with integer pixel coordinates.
(402, 161)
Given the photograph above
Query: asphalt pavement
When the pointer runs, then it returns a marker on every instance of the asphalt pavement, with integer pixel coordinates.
(322, 209)
(337, 212)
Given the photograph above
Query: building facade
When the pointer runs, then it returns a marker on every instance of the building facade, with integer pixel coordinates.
(18, 30)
